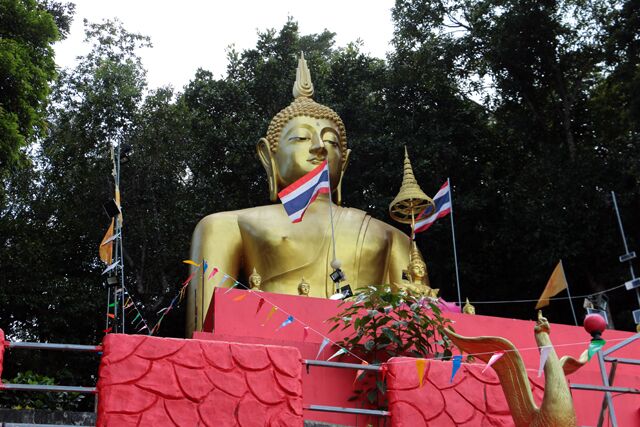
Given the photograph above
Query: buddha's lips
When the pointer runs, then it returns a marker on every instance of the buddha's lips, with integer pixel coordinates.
(315, 160)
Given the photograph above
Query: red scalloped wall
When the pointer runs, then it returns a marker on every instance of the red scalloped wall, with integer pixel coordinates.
(149, 381)
(472, 399)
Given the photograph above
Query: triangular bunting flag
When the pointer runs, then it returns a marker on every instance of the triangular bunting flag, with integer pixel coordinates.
(186, 282)
(204, 266)
(325, 341)
(240, 297)
(287, 322)
(260, 304)
(235, 283)
(544, 355)
(457, 362)
(338, 353)
(494, 358)
(594, 346)
(190, 262)
(420, 365)
(111, 267)
(360, 371)
(224, 279)
(305, 333)
(213, 273)
(273, 310)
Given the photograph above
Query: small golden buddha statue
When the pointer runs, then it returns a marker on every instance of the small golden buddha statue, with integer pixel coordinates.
(255, 281)
(304, 288)
(299, 137)
(417, 278)
(468, 308)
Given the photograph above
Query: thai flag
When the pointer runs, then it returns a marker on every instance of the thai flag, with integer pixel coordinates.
(297, 197)
(442, 200)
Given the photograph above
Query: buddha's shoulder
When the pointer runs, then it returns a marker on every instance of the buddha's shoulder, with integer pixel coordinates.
(227, 218)
(249, 214)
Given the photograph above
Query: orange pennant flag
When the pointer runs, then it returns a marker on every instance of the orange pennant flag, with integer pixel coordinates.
(557, 283)
(273, 310)
(241, 297)
(420, 364)
(360, 372)
(106, 249)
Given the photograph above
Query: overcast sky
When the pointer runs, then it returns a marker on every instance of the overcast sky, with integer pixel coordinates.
(188, 34)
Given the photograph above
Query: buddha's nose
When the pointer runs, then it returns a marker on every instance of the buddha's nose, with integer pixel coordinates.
(318, 148)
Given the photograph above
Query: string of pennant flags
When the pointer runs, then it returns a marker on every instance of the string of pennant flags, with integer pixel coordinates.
(420, 363)
(130, 305)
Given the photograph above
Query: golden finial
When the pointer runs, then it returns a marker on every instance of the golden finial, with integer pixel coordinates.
(468, 308)
(415, 255)
(302, 87)
(411, 200)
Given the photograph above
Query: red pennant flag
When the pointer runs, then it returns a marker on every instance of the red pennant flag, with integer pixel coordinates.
(260, 304)
(186, 282)
(305, 333)
(360, 372)
(111, 316)
(106, 331)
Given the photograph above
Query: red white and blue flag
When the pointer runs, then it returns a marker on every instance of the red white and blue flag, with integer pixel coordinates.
(297, 197)
(442, 201)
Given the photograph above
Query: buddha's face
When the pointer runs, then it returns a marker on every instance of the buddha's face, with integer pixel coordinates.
(417, 269)
(303, 289)
(469, 310)
(304, 143)
(255, 281)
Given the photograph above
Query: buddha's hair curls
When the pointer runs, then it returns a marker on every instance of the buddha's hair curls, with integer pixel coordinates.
(304, 107)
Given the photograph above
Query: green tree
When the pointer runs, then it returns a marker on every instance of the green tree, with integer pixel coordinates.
(27, 67)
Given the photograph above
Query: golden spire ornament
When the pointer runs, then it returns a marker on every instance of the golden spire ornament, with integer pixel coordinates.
(411, 200)
(302, 87)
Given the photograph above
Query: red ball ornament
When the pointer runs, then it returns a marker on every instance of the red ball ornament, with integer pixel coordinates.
(594, 324)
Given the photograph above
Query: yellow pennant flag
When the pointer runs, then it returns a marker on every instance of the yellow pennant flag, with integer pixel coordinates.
(271, 312)
(106, 249)
(420, 364)
(557, 282)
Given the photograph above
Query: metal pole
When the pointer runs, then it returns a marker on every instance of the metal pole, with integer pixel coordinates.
(453, 238)
(333, 233)
(624, 241)
(202, 294)
(575, 319)
(612, 375)
(119, 231)
(330, 364)
(607, 394)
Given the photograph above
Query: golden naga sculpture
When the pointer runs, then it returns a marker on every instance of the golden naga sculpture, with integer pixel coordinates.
(557, 406)
(299, 137)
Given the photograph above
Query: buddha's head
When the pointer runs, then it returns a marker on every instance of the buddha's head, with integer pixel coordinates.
(417, 267)
(301, 136)
(304, 288)
(468, 308)
(255, 280)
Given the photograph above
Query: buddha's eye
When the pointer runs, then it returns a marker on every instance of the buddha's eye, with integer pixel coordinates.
(298, 138)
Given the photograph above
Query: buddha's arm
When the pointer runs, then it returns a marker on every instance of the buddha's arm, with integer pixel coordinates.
(216, 240)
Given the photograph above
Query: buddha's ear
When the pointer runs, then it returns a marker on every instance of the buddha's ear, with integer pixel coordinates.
(345, 163)
(268, 162)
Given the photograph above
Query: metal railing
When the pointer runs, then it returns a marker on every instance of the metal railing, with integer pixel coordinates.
(54, 347)
(607, 381)
(339, 409)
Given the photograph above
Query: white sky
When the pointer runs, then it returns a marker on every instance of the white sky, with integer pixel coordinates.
(189, 34)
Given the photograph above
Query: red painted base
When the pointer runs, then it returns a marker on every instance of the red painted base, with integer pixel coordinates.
(148, 381)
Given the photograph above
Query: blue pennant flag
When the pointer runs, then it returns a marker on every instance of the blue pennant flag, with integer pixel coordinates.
(287, 321)
(457, 361)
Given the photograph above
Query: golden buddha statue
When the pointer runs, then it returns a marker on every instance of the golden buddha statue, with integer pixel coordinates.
(255, 281)
(417, 281)
(299, 137)
(468, 308)
(304, 288)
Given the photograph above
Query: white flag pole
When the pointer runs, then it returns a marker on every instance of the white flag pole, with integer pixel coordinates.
(453, 238)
